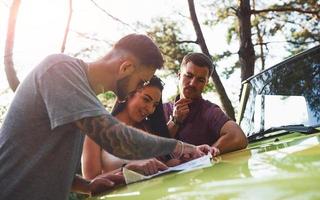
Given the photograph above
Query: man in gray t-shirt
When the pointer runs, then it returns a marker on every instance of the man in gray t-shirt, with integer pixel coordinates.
(42, 135)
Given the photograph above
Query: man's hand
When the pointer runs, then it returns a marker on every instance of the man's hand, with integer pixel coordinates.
(173, 162)
(181, 109)
(104, 182)
(215, 151)
(187, 151)
(146, 167)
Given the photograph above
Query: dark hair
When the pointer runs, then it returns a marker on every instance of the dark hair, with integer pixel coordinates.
(156, 121)
(143, 48)
(198, 59)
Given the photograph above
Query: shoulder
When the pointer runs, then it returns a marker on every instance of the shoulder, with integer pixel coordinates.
(212, 109)
(168, 106)
(206, 104)
(58, 60)
(61, 64)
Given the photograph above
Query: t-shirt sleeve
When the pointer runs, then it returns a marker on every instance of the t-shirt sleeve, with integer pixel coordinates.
(67, 94)
(216, 118)
(167, 109)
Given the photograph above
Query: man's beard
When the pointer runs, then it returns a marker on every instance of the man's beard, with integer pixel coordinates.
(189, 92)
(122, 88)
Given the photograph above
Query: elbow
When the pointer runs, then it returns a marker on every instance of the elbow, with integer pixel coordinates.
(89, 176)
(243, 142)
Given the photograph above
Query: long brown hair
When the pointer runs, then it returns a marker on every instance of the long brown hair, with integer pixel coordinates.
(155, 121)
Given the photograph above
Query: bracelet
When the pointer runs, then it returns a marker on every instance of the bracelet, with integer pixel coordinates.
(175, 121)
(123, 166)
(172, 155)
(182, 149)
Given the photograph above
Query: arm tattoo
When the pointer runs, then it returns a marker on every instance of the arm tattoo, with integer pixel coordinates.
(124, 141)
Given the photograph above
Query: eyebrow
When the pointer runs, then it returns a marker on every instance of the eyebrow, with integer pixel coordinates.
(189, 73)
(151, 98)
(148, 96)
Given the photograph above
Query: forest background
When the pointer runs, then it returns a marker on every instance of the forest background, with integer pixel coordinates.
(242, 37)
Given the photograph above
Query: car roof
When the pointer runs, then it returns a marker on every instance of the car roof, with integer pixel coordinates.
(286, 61)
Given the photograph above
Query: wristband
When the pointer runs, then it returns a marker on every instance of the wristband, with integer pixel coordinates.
(175, 121)
(123, 166)
(173, 155)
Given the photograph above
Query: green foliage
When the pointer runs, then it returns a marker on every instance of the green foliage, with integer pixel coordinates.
(301, 30)
(219, 57)
(108, 99)
(168, 36)
(3, 110)
(209, 88)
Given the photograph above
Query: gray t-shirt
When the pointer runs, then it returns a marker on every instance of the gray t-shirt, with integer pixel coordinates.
(40, 148)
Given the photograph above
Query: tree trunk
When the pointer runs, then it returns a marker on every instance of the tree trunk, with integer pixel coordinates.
(8, 61)
(260, 42)
(246, 51)
(63, 46)
(226, 103)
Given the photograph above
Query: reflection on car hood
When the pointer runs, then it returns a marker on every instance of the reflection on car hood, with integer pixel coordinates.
(287, 167)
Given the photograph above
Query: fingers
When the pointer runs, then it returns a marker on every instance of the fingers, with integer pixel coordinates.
(173, 162)
(190, 151)
(116, 178)
(147, 167)
(99, 185)
(181, 109)
(107, 178)
(160, 165)
(154, 166)
(150, 168)
(183, 101)
(205, 149)
(215, 151)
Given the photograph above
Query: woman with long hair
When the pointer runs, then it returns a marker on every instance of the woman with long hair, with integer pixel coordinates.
(143, 110)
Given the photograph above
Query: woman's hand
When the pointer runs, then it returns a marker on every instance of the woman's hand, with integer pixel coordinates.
(146, 167)
(104, 182)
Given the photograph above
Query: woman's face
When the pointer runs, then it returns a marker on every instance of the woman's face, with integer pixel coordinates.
(143, 103)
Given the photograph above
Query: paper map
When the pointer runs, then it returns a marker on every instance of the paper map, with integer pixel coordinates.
(131, 176)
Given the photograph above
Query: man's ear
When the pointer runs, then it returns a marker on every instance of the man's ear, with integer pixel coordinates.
(126, 68)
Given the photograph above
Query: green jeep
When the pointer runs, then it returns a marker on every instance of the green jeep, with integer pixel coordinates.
(280, 113)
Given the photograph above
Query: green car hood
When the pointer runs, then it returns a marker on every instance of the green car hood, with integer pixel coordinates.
(286, 167)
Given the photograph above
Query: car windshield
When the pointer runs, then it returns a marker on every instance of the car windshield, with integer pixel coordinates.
(286, 94)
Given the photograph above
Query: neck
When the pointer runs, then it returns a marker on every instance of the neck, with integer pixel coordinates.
(124, 117)
(101, 76)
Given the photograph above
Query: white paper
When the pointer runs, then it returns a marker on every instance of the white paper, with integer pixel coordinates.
(131, 176)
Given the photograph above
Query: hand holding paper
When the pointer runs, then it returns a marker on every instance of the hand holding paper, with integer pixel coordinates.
(189, 151)
(131, 176)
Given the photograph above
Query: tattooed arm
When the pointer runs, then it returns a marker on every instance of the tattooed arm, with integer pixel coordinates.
(126, 142)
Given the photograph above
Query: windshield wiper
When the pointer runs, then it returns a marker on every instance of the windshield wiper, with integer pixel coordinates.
(288, 128)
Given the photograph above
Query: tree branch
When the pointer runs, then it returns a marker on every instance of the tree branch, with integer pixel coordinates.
(286, 41)
(8, 60)
(113, 17)
(234, 9)
(186, 41)
(63, 46)
(287, 9)
(86, 36)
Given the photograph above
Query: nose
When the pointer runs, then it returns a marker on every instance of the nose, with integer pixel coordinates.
(150, 108)
(193, 82)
